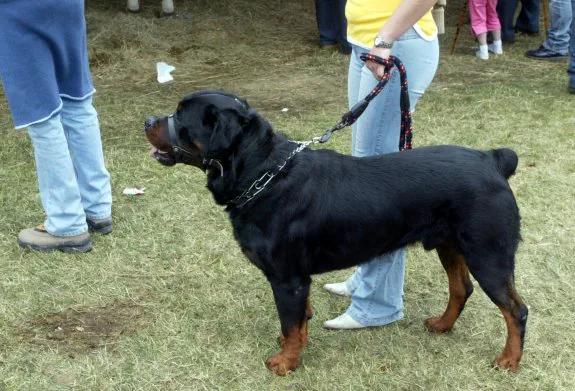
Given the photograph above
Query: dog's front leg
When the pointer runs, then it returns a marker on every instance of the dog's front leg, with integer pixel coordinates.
(292, 303)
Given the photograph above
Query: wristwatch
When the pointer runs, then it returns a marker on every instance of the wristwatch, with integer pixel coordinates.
(378, 42)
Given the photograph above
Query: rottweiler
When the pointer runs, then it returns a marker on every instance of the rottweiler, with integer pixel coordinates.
(298, 211)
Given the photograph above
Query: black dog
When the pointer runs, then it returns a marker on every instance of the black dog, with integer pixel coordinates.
(297, 211)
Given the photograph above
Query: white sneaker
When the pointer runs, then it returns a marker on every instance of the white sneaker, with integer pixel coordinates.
(482, 55)
(495, 49)
(339, 288)
(133, 5)
(168, 7)
(344, 322)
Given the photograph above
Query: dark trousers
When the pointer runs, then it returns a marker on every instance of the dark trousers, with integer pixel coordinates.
(527, 21)
(331, 23)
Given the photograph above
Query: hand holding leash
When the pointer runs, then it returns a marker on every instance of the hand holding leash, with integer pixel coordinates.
(375, 66)
(353, 114)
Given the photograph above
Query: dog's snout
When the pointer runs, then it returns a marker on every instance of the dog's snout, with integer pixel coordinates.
(149, 123)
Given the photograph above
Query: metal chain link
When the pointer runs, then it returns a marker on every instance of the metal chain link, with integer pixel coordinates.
(260, 184)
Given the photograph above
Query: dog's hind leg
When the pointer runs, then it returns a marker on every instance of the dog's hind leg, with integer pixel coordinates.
(516, 320)
(499, 285)
(294, 307)
(460, 288)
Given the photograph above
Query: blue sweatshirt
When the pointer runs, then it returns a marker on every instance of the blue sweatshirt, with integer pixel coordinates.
(43, 57)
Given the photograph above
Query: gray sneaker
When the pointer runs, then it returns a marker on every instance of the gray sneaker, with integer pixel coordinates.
(40, 240)
(101, 226)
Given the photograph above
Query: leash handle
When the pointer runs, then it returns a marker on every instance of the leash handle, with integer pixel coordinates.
(388, 66)
(406, 131)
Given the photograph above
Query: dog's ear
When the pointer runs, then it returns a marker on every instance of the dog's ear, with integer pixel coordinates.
(226, 126)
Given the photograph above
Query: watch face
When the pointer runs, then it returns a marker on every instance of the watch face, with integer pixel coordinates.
(380, 43)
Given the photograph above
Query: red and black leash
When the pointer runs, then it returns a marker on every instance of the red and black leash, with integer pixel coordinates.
(347, 119)
(406, 132)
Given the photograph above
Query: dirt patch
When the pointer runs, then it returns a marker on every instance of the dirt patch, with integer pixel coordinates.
(84, 330)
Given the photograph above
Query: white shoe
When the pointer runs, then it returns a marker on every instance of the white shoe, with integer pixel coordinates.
(168, 7)
(482, 55)
(133, 5)
(495, 49)
(339, 288)
(344, 322)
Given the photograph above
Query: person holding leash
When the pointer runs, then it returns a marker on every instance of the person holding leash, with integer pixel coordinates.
(406, 30)
(46, 78)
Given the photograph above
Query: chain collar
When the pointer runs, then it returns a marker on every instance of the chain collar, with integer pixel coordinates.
(260, 184)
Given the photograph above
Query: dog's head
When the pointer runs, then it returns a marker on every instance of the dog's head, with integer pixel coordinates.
(206, 125)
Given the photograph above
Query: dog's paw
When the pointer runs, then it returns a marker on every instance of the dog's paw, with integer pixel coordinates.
(506, 361)
(437, 325)
(281, 365)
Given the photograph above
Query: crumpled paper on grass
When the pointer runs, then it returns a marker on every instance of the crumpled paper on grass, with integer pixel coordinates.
(164, 72)
(134, 190)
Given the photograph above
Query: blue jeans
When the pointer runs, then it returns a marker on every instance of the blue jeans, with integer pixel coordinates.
(377, 286)
(73, 180)
(558, 34)
(571, 69)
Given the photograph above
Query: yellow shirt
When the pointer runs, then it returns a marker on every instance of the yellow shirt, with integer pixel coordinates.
(366, 17)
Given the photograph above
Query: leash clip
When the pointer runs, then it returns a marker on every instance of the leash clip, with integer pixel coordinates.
(327, 135)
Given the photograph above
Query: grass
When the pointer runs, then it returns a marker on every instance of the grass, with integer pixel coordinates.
(168, 302)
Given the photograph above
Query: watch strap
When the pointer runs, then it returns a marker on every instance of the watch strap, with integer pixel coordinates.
(378, 42)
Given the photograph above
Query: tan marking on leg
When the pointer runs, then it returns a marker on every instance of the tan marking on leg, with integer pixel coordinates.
(511, 355)
(459, 281)
(286, 361)
(309, 308)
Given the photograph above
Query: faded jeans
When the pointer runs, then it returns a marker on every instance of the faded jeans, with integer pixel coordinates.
(73, 180)
(377, 286)
(571, 69)
(558, 34)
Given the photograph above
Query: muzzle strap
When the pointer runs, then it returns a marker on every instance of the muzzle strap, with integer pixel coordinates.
(172, 132)
(214, 163)
(177, 151)
(180, 152)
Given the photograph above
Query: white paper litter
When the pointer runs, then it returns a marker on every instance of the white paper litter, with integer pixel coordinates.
(285, 109)
(164, 71)
(134, 190)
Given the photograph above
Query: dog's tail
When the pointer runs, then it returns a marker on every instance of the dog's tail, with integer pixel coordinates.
(505, 161)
